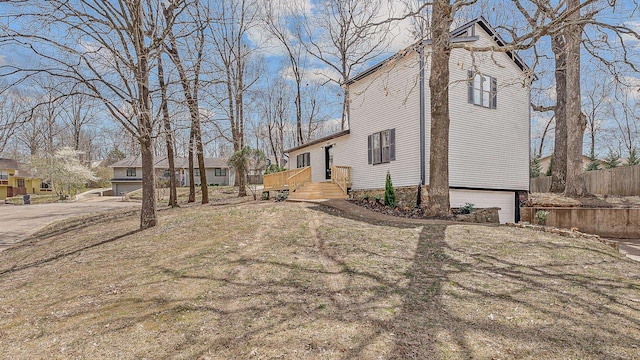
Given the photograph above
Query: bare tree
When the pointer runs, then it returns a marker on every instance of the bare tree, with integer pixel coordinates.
(280, 19)
(190, 84)
(228, 37)
(168, 135)
(12, 116)
(345, 35)
(109, 50)
(441, 19)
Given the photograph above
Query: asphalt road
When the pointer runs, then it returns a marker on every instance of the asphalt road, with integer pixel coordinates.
(19, 221)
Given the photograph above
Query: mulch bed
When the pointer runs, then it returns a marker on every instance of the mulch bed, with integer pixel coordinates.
(406, 212)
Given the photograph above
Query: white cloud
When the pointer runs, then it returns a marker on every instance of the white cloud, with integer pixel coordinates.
(317, 75)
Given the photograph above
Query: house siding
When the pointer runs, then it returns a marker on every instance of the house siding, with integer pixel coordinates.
(317, 156)
(489, 148)
(386, 99)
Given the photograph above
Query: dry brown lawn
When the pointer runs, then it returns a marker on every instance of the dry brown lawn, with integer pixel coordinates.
(295, 281)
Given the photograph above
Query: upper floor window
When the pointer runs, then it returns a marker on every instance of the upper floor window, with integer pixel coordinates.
(4, 175)
(131, 172)
(196, 172)
(303, 160)
(220, 172)
(482, 90)
(382, 147)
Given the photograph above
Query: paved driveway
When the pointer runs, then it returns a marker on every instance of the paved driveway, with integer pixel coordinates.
(19, 221)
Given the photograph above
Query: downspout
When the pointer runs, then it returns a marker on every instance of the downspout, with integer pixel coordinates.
(422, 119)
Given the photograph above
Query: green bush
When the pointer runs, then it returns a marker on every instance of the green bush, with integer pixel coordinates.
(389, 192)
(541, 217)
(273, 168)
(467, 208)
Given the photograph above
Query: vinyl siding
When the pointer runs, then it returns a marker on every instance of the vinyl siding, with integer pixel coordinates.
(122, 172)
(386, 99)
(317, 156)
(488, 149)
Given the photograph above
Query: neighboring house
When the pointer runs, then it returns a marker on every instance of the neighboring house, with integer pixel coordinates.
(127, 173)
(489, 130)
(16, 179)
(545, 161)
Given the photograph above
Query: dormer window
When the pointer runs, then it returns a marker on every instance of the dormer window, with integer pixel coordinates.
(131, 172)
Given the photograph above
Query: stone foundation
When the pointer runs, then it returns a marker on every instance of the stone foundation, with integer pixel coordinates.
(482, 216)
(406, 196)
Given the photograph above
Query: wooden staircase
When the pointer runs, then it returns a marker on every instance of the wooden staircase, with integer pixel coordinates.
(317, 191)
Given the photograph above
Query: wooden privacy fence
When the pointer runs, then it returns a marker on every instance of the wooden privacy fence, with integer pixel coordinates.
(620, 181)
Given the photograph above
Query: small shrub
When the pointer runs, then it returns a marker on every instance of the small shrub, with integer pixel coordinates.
(377, 198)
(366, 197)
(541, 217)
(273, 168)
(389, 192)
(265, 195)
(282, 196)
(467, 208)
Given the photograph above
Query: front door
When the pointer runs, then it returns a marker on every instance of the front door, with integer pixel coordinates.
(328, 160)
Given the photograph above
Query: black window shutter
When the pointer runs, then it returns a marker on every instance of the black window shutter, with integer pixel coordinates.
(298, 161)
(470, 86)
(370, 149)
(494, 93)
(392, 144)
(308, 156)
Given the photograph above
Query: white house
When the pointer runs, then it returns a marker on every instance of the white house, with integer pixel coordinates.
(489, 131)
(127, 173)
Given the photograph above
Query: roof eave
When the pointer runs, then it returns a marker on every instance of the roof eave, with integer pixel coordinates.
(315, 142)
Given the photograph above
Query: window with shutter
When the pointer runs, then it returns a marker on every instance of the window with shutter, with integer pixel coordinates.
(482, 90)
(382, 147)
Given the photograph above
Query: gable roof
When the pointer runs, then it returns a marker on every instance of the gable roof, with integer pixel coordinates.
(163, 163)
(8, 164)
(317, 141)
(457, 35)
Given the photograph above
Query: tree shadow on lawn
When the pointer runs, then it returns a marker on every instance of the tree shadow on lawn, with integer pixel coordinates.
(308, 299)
(463, 303)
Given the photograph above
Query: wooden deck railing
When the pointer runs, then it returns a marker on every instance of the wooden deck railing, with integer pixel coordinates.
(299, 178)
(278, 181)
(341, 175)
(287, 180)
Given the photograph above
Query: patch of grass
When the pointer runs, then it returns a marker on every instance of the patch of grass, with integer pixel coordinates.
(35, 199)
(285, 280)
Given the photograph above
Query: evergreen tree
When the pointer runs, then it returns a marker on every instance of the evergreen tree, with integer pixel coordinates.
(594, 164)
(389, 192)
(633, 158)
(611, 161)
(535, 168)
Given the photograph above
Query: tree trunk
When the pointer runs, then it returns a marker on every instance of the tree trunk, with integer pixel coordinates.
(173, 194)
(192, 186)
(442, 17)
(576, 121)
(148, 213)
(559, 170)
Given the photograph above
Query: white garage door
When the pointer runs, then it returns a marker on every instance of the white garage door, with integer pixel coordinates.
(505, 200)
(125, 188)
